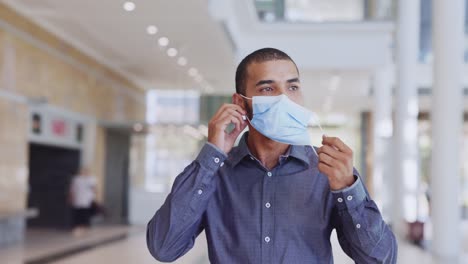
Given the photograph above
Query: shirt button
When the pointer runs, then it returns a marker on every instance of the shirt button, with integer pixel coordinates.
(350, 198)
(200, 191)
(269, 174)
(267, 239)
(267, 205)
(340, 200)
(358, 226)
(216, 160)
(222, 164)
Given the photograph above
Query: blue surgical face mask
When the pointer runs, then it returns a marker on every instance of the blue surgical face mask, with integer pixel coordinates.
(280, 119)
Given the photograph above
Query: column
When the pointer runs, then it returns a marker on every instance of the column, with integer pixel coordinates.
(405, 150)
(382, 136)
(447, 120)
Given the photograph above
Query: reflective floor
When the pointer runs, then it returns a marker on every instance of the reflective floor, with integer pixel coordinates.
(132, 249)
(43, 245)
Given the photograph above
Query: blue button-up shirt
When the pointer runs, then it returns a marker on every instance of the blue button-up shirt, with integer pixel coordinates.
(254, 215)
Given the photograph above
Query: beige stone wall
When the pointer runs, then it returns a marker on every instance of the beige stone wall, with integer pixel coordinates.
(13, 156)
(137, 161)
(98, 166)
(64, 77)
(41, 75)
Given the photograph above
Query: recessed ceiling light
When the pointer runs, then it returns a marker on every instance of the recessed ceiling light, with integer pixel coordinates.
(182, 61)
(129, 6)
(172, 52)
(151, 30)
(163, 41)
(192, 72)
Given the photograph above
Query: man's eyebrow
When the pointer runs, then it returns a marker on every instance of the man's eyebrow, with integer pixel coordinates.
(261, 82)
(264, 82)
(293, 80)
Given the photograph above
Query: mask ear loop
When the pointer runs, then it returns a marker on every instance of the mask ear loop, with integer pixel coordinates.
(248, 98)
(320, 127)
(244, 117)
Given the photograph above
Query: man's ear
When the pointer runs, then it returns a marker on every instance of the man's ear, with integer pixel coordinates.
(238, 100)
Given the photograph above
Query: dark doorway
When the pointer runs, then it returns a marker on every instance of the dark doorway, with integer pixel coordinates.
(50, 171)
(117, 178)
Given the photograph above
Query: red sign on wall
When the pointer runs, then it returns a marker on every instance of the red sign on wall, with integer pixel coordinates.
(59, 127)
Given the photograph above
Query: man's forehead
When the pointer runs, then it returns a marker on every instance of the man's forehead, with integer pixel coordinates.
(274, 69)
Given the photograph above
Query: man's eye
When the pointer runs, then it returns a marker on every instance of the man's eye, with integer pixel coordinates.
(294, 88)
(266, 89)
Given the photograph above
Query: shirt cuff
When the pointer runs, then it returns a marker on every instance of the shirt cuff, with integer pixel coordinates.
(211, 157)
(350, 197)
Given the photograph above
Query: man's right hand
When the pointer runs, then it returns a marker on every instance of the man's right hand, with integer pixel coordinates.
(217, 135)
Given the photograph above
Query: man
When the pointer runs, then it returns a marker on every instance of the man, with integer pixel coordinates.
(82, 195)
(271, 199)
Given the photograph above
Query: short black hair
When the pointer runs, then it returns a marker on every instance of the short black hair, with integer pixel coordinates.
(258, 56)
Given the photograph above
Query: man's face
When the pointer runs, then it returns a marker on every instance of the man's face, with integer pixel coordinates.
(272, 78)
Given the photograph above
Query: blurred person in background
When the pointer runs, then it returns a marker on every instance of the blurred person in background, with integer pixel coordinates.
(82, 200)
(273, 198)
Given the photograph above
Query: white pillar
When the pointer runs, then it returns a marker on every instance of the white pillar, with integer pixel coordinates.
(382, 136)
(380, 9)
(406, 116)
(447, 119)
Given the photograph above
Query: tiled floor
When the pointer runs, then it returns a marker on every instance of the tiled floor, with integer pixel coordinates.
(133, 249)
(41, 244)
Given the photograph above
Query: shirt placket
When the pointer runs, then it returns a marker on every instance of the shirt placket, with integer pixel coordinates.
(267, 216)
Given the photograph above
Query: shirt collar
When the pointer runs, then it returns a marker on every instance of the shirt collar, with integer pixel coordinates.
(242, 151)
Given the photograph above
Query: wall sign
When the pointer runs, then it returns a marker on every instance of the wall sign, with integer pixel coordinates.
(55, 128)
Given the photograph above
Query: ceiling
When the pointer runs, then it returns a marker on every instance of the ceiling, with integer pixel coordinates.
(205, 33)
(117, 38)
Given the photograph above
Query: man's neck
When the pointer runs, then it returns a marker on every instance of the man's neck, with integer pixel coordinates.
(267, 151)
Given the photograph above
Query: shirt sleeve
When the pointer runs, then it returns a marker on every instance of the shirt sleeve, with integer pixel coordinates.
(361, 231)
(173, 229)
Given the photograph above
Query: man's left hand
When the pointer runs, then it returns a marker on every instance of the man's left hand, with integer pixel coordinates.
(336, 162)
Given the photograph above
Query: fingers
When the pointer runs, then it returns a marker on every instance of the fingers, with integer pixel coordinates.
(332, 152)
(226, 114)
(337, 143)
(224, 107)
(231, 116)
(217, 134)
(336, 162)
(331, 162)
(325, 169)
(337, 179)
(227, 110)
(232, 119)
